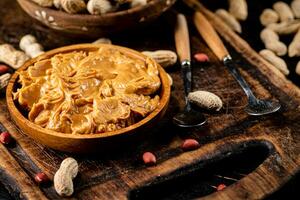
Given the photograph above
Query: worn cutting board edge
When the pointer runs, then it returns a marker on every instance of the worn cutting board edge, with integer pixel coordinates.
(192, 154)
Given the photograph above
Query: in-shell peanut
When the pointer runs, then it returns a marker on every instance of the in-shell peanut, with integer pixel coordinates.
(103, 41)
(278, 62)
(206, 100)
(4, 79)
(29, 44)
(230, 20)
(239, 9)
(284, 11)
(135, 3)
(44, 3)
(14, 58)
(57, 4)
(271, 41)
(295, 6)
(73, 6)
(285, 28)
(63, 178)
(268, 16)
(294, 47)
(165, 58)
(298, 68)
(99, 7)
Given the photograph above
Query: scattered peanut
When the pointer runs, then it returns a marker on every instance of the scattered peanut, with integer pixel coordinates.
(63, 178)
(73, 6)
(201, 57)
(295, 6)
(57, 4)
(239, 9)
(32, 48)
(294, 47)
(229, 19)
(285, 28)
(165, 58)
(298, 68)
(284, 11)
(268, 16)
(103, 41)
(4, 79)
(3, 69)
(205, 99)
(190, 144)
(44, 3)
(149, 158)
(14, 58)
(5, 138)
(271, 41)
(135, 3)
(221, 187)
(99, 7)
(41, 178)
(275, 60)
(27, 40)
(170, 79)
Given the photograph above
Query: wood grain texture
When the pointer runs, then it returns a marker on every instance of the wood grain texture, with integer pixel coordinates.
(182, 39)
(114, 175)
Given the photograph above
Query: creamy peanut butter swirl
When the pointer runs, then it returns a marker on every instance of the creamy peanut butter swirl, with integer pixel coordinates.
(89, 92)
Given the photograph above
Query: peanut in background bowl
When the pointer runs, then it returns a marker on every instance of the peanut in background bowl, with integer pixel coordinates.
(85, 143)
(95, 25)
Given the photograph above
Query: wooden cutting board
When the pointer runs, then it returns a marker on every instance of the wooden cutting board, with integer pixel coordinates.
(122, 174)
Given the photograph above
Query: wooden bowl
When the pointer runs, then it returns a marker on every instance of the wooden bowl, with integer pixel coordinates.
(84, 143)
(95, 25)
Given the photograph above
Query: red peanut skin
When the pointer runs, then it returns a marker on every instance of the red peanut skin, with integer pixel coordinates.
(201, 57)
(3, 69)
(41, 178)
(5, 138)
(221, 187)
(190, 144)
(149, 158)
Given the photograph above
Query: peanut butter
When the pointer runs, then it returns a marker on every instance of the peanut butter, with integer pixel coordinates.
(89, 92)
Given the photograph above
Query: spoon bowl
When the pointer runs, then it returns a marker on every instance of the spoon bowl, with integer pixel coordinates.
(262, 107)
(189, 119)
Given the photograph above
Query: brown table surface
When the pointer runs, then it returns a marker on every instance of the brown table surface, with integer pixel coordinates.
(14, 23)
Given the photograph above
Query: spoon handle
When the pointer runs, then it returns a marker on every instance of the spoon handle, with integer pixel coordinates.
(210, 36)
(182, 39)
(213, 40)
(182, 42)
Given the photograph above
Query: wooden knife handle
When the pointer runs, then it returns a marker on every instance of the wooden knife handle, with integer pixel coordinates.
(182, 39)
(210, 36)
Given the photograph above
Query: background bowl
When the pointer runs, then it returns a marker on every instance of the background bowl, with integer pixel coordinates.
(86, 142)
(95, 25)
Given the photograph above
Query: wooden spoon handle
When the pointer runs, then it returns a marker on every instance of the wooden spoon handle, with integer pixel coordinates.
(210, 36)
(182, 39)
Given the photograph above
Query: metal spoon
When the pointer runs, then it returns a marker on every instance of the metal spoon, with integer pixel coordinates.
(188, 117)
(255, 106)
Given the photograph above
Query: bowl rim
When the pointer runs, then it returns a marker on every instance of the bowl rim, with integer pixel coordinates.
(164, 96)
(90, 16)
